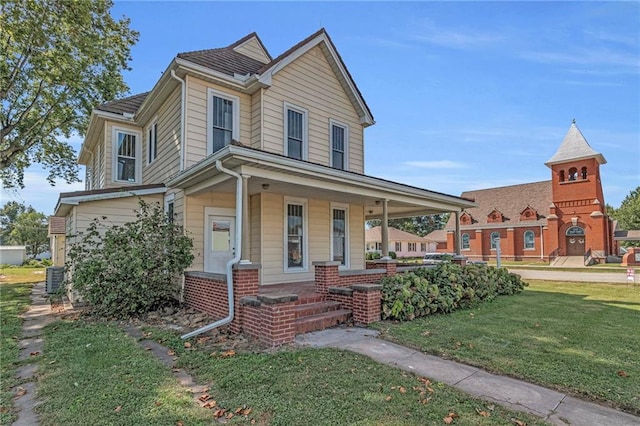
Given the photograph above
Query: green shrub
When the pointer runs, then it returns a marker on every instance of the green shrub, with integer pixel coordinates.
(373, 255)
(443, 289)
(33, 263)
(125, 270)
(393, 255)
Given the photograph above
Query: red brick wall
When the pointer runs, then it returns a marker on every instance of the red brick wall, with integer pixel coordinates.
(278, 323)
(366, 306)
(206, 295)
(346, 301)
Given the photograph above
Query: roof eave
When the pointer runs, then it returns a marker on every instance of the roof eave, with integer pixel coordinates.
(599, 158)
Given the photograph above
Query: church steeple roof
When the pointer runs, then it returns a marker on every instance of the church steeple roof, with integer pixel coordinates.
(574, 147)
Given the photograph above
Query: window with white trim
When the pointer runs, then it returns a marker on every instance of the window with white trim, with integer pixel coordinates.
(126, 156)
(340, 235)
(152, 142)
(295, 131)
(379, 246)
(494, 237)
(398, 246)
(423, 246)
(223, 116)
(529, 240)
(295, 236)
(169, 206)
(465, 242)
(339, 141)
(411, 247)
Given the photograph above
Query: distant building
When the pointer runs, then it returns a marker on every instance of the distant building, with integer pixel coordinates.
(564, 216)
(404, 244)
(13, 255)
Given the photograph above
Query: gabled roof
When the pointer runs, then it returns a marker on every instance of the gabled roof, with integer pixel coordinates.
(226, 59)
(510, 201)
(125, 105)
(439, 236)
(395, 234)
(574, 147)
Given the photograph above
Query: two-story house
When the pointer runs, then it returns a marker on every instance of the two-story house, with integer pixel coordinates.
(260, 159)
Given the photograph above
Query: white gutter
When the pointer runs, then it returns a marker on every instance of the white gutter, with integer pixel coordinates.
(236, 258)
(183, 93)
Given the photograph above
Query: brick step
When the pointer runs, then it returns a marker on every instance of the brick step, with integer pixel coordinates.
(308, 309)
(321, 321)
(304, 299)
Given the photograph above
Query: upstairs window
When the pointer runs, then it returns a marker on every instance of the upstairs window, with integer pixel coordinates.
(223, 116)
(295, 132)
(339, 135)
(152, 143)
(126, 156)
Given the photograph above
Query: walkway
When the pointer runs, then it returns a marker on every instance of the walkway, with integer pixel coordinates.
(555, 407)
(590, 277)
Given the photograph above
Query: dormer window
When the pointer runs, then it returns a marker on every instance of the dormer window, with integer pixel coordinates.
(223, 117)
(529, 213)
(466, 219)
(126, 156)
(495, 216)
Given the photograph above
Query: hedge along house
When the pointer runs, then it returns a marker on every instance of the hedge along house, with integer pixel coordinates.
(563, 220)
(262, 161)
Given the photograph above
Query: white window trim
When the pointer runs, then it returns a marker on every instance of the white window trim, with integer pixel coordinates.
(347, 244)
(114, 157)
(235, 131)
(305, 133)
(336, 123)
(462, 244)
(491, 246)
(152, 127)
(305, 233)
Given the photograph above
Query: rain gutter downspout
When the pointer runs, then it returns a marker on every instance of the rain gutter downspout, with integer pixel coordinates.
(236, 258)
(183, 93)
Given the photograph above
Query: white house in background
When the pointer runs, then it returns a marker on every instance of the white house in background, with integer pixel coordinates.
(404, 244)
(13, 255)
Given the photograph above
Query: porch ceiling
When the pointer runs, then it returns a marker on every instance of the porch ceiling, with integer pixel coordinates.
(272, 173)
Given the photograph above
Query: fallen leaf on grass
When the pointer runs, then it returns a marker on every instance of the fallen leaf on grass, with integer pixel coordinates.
(118, 409)
(230, 416)
(483, 413)
(246, 411)
(4, 410)
(20, 392)
(204, 397)
(210, 404)
(426, 333)
(449, 419)
(187, 345)
(227, 354)
(201, 340)
(402, 390)
(424, 380)
(179, 423)
(34, 353)
(622, 373)
(388, 398)
(147, 348)
(170, 352)
(158, 403)
(519, 422)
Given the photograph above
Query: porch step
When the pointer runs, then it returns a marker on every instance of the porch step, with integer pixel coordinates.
(308, 309)
(322, 320)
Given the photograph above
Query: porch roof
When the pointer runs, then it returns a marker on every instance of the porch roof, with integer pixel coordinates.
(270, 172)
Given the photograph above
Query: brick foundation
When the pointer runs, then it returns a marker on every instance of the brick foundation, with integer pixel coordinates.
(366, 303)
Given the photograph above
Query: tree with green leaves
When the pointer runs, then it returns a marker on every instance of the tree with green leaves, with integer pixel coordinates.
(8, 215)
(417, 225)
(58, 60)
(628, 215)
(30, 230)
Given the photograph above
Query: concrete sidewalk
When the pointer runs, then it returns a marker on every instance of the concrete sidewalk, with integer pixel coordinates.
(554, 407)
(590, 277)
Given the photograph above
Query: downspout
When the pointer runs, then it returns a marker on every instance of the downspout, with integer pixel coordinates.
(183, 93)
(541, 242)
(236, 258)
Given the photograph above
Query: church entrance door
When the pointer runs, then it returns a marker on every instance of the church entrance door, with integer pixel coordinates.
(575, 241)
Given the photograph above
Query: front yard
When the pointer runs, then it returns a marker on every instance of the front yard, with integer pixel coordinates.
(580, 338)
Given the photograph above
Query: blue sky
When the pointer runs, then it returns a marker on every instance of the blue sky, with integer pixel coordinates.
(466, 95)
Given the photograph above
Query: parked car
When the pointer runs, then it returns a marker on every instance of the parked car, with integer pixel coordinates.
(435, 258)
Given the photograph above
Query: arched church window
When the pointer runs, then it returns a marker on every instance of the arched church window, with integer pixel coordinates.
(583, 173)
(561, 175)
(573, 173)
(494, 240)
(465, 242)
(529, 240)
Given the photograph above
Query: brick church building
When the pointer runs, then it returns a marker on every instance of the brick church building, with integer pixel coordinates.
(561, 217)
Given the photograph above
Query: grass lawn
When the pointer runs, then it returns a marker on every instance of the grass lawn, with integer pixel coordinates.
(21, 275)
(14, 300)
(580, 338)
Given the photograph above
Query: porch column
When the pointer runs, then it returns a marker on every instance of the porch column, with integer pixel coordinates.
(385, 229)
(456, 236)
(246, 241)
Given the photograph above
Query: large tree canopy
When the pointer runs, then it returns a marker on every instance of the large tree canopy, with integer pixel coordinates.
(22, 225)
(628, 214)
(418, 225)
(58, 60)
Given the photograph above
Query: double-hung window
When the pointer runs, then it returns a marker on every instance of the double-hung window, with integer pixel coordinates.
(411, 246)
(339, 137)
(339, 234)
(126, 157)
(295, 132)
(223, 118)
(529, 240)
(466, 245)
(398, 246)
(152, 142)
(296, 230)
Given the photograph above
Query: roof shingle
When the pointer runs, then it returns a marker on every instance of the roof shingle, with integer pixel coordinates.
(129, 104)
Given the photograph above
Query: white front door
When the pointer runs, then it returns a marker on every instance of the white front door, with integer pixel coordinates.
(219, 242)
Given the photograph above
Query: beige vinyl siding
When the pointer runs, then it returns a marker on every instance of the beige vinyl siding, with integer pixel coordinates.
(108, 149)
(196, 120)
(273, 239)
(356, 237)
(310, 83)
(256, 120)
(252, 49)
(194, 220)
(167, 162)
(255, 205)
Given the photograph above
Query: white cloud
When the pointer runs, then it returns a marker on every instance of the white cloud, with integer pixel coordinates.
(440, 164)
(38, 193)
(456, 39)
